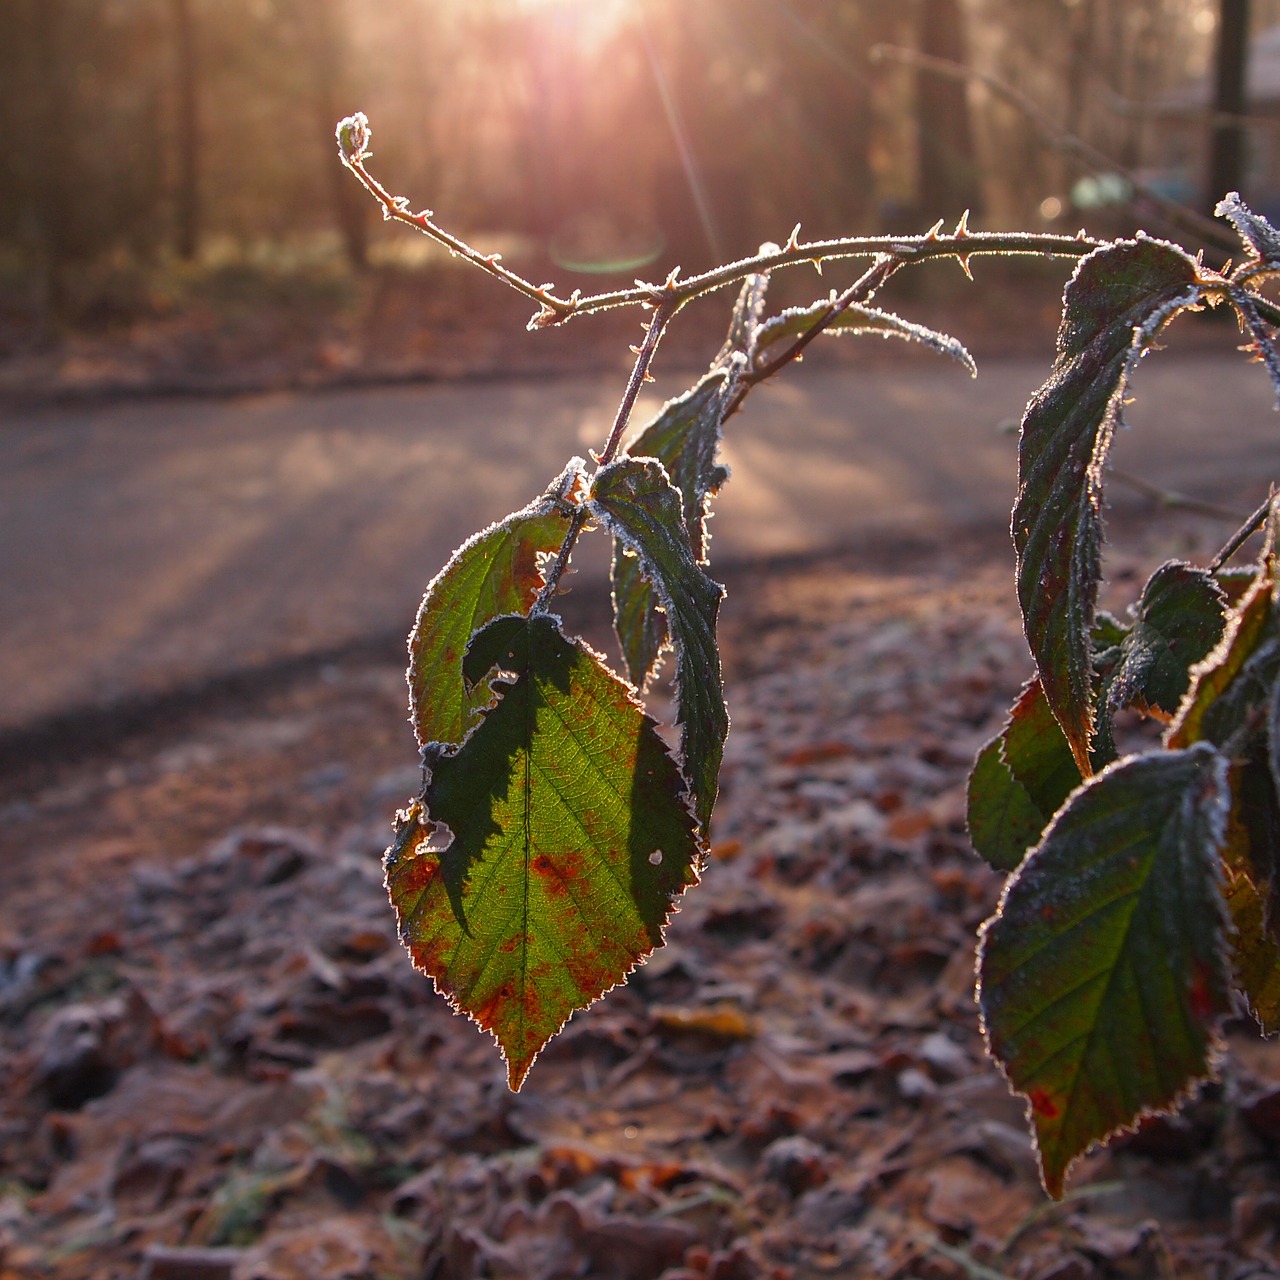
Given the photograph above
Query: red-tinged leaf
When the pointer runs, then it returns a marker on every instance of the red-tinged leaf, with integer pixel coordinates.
(1102, 977)
(685, 439)
(548, 851)
(635, 500)
(1119, 297)
(1019, 781)
(494, 573)
(1255, 955)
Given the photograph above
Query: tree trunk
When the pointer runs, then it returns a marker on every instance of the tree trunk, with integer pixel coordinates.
(186, 96)
(51, 159)
(324, 36)
(1082, 47)
(949, 180)
(1227, 140)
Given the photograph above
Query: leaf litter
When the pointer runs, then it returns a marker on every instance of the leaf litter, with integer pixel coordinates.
(216, 1061)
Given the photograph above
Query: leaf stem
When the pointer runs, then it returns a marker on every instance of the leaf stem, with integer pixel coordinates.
(1242, 535)
(639, 374)
(862, 289)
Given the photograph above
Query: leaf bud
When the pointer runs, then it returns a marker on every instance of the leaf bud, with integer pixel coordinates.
(353, 135)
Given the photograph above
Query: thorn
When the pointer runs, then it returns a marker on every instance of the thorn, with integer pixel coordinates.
(648, 377)
(963, 260)
(670, 282)
(575, 297)
(1082, 234)
(793, 240)
(595, 457)
(635, 351)
(817, 265)
(962, 227)
(932, 233)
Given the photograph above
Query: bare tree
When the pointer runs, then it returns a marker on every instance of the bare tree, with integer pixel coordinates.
(949, 176)
(1226, 145)
(186, 97)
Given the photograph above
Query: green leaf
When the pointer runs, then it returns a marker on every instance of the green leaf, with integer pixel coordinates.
(685, 438)
(495, 572)
(797, 321)
(1019, 781)
(546, 855)
(1178, 621)
(1101, 977)
(1003, 821)
(1117, 300)
(636, 501)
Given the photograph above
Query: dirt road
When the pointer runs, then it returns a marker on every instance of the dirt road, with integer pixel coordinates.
(148, 545)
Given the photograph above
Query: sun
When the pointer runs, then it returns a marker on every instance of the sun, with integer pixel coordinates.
(588, 17)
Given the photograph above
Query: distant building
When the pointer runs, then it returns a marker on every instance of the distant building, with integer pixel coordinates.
(1180, 125)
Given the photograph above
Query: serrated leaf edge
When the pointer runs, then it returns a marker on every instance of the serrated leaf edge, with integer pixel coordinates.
(556, 496)
(1215, 1049)
(1079, 678)
(415, 818)
(883, 324)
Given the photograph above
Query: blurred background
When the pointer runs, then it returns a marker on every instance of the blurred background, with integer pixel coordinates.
(171, 205)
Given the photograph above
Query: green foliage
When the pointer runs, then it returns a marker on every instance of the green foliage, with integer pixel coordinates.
(1102, 975)
(1118, 299)
(554, 830)
(570, 839)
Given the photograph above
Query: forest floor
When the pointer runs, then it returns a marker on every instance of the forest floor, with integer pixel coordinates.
(216, 1061)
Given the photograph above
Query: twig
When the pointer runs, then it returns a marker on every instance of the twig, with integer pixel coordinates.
(1169, 498)
(639, 375)
(1242, 535)
(555, 310)
(861, 290)
(1060, 140)
(640, 372)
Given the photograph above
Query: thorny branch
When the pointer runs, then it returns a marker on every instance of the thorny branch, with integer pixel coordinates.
(353, 138)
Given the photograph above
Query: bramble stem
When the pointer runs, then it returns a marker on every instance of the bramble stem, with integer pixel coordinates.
(1242, 535)
(862, 290)
(556, 310)
(639, 375)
